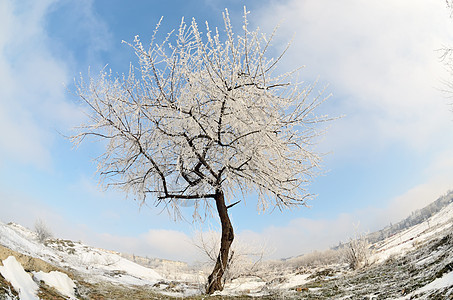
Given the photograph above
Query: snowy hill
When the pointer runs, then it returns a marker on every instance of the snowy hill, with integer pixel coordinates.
(98, 264)
(416, 262)
(416, 235)
(415, 218)
(80, 261)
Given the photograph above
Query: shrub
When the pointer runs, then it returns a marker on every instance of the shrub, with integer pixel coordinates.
(42, 231)
(357, 252)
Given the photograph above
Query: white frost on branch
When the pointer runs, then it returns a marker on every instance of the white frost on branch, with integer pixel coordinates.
(204, 113)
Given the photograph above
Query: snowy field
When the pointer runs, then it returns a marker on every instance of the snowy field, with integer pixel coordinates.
(414, 263)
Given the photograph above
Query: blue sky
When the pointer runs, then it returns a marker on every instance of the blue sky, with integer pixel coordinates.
(390, 154)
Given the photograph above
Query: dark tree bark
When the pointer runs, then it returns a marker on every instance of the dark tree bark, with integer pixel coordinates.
(215, 279)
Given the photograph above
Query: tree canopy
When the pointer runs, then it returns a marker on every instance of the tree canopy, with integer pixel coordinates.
(203, 117)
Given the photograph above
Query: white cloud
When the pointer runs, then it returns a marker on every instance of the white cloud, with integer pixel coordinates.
(171, 243)
(159, 243)
(34, 68)
(301, 236)
(32, 85)
(416, 198)
(381, 62)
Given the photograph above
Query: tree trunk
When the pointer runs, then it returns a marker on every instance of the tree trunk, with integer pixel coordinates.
(215, 279)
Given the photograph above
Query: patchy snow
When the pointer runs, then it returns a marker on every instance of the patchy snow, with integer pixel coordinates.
(60, 281)
(295, 280)
(439, 283)
(184, 291)
(22, 282)
(243, 285)
(433, 256)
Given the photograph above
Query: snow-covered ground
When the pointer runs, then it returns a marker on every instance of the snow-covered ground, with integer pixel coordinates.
(415, 250)
(409, 239)
(59, 281)
(92, 264)
(19, 279)
(27, 288)
(97, 264)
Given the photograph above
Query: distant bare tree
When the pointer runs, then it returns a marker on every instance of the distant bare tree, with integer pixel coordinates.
(42, 231)
(205, 118)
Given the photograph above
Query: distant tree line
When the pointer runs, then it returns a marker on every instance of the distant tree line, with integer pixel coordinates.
(415, 218)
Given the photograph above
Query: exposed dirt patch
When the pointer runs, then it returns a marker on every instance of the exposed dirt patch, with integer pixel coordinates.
(29, 263)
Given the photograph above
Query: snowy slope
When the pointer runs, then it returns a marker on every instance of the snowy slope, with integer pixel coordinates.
(410, 238)
(96, 265)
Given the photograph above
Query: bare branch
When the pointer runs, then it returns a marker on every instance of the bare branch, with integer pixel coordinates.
(231, 205)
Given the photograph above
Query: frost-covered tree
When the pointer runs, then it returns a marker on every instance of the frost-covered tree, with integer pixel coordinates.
(202, 118)
(357, 251)
(42, 231)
